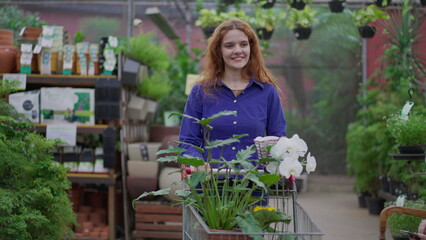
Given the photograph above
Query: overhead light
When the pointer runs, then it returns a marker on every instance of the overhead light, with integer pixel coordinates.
(160, 21)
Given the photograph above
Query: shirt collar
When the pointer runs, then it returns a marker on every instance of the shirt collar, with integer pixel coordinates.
(252, 81)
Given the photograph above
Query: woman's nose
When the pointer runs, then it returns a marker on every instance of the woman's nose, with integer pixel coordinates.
(237, 49)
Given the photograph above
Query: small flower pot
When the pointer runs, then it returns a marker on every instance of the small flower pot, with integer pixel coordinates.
(366, 31)
(336, 6)
(412, 149)
(264, 34)
(299, 5)
(302, 33)
(362, 202)
(268, 4)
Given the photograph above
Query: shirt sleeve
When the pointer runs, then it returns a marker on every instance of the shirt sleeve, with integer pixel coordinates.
(191, 132)
(276, 124)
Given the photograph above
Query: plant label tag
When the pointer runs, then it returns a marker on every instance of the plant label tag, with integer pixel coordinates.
(46, 41)
(48, 30)
(400, 201)
(22, 31)
(113, 41)
(26, 48)
(26, 58)
(37, 49)
(406, 110)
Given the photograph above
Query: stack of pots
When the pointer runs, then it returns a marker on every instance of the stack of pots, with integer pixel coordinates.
(8, 52)
(29, 35)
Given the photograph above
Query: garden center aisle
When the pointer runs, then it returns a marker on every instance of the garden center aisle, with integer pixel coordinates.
(333, 206)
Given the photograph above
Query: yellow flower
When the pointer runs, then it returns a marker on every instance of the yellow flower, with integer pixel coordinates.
(258, 208)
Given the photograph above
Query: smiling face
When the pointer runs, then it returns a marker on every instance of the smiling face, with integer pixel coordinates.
(235, 49)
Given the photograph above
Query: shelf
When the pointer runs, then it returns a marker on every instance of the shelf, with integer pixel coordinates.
(66, 80)
(408, 157)
(91, 129)
(103, 178)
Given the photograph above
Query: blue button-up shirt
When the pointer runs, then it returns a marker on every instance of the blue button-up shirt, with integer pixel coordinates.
(258, 113)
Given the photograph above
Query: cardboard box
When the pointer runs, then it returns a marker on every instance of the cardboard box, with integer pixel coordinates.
(67, 105)
(27, 103)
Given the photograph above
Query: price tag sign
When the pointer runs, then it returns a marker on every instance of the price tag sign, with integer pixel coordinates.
(406, 110)
(48, 30)
(21, 78)
(37, 49)
(113, 41)
(26, 48)
(66, 133)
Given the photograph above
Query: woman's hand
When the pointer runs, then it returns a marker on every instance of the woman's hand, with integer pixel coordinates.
(421, 232)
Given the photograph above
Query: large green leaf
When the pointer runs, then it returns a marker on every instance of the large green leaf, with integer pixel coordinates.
(160, 192)
(250, 224)
(206, 121)
(193, 161)
(167, 159)
(269, 179)
(221, 143)
(175, 150)
(201, 150)
(196, 178)
(254, 178)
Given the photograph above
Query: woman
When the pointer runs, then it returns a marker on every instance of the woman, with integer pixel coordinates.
(234, 79)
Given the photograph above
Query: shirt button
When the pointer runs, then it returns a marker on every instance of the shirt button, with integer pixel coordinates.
(235, 101)
(233, 148)
(235, 122)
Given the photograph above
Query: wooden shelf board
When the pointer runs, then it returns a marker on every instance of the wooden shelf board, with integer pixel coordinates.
(96, 129)
(92, 177)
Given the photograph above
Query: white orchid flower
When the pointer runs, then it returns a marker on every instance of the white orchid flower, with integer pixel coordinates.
(311, 163)
(289, 147)
(290, 166)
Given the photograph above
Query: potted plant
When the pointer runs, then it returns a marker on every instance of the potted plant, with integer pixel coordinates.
(225, 201)
(397, 221)
(336, 6)
(299, 4)
(301, 21)
(265, 21)
(365, 17)
(210, 19)
(409, 133)
(35, 203)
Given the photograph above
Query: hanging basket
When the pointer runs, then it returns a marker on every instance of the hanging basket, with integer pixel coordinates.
(336, 6)
(264, 34)
(267, 4)
(412, 149)
(366, 31)
(299, 5)
(302, 33)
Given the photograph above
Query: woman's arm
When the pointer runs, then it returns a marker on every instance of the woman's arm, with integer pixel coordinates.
(276, 123)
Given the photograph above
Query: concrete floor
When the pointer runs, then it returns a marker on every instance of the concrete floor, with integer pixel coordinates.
(333, 206)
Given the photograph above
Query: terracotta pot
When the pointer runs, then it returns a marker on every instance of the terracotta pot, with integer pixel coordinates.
(8, 56)
(6, 40)
(5, 32)
(32, 33)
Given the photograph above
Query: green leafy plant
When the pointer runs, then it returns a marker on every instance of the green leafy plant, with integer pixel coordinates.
(79, 37)
(220, 198)
(143, 48)
(268, 19)
(212, 18)
(301, 18)
(34, 202)
(368, 15)
(398, 221)
(13, 18)
(155, 86)
(260, 219)
(409, 131)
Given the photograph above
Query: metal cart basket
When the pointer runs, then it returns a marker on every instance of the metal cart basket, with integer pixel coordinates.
(301, 226)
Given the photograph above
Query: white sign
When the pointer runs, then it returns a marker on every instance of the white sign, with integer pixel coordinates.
(21, 78)
(67, 133)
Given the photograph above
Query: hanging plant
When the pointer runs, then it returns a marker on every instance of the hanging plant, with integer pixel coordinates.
(266, 3)
(299, 4)
(210, 19)
(301, 21)
(265, 21)
(336, 6)
(365, 17)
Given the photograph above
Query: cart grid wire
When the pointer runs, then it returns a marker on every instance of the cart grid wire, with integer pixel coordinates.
(301, 226)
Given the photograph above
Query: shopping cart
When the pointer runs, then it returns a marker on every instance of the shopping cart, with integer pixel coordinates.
(301, 226)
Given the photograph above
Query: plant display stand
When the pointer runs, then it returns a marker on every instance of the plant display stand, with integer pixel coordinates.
(157, 220)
